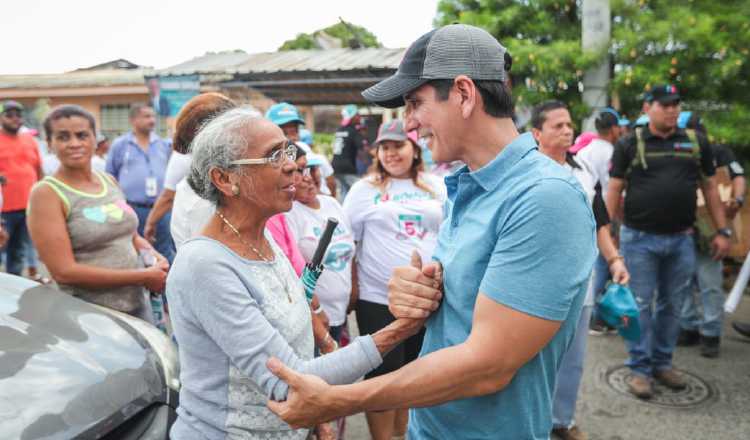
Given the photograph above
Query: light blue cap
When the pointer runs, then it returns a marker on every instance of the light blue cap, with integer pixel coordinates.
(283, 113)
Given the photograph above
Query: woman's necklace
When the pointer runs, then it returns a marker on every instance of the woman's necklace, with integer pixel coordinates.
(257, 252)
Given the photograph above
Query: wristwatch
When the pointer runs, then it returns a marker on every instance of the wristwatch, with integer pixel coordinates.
(726, 232)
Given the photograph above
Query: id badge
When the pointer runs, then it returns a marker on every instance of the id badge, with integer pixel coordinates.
(150, 186)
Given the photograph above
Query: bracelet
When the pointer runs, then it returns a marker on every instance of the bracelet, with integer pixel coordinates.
(329, 338)
(611, 260)
(319, 310)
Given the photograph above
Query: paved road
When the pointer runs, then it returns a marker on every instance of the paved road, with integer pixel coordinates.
(607, 414)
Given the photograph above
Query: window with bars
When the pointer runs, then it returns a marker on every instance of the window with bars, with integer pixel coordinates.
(115, 121)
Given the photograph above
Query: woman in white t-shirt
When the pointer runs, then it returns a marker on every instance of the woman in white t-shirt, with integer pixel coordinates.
(195, 114)
(394, 211)
(307, 221)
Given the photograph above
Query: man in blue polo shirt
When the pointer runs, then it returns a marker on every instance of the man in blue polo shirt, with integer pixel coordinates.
(138, 160)
(515, 252)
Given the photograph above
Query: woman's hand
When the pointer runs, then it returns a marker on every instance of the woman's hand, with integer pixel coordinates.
(320, 332)
(325, 431)
(3, 236)
(154, 279)
(619, 272)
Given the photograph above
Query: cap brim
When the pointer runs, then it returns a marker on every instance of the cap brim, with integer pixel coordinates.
(282, 121)
(390, 92)
(390, 137)
(668, 99)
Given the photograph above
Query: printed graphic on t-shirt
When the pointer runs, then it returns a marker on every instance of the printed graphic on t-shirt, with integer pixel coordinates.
(409, 196)
(115, 211)
(338, 254)
(410, 226)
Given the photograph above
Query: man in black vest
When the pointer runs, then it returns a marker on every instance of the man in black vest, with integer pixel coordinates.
(662, 165)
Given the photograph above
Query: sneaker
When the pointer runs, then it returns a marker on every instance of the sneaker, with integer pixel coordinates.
(710, 346)
(670, 379)
(742, 328)
(640, 386)
(688, 338)
(598, 328)
(572, 433)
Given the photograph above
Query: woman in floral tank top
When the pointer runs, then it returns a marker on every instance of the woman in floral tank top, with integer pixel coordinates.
(84, 230)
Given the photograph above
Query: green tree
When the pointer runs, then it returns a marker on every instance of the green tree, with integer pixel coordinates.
(699, 45)
(350, 35)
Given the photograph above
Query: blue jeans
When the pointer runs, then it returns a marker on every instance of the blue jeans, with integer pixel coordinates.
(345, 182)
(164, 244)
(663, 263)
(709, 295)
(14, 223)
(569, 374)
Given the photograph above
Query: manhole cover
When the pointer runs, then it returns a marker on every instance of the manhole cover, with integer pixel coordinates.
(695, 394)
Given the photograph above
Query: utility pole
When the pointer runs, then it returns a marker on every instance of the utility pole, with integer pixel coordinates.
(596, 34)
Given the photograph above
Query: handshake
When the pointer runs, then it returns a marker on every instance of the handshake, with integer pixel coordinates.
(415, 291)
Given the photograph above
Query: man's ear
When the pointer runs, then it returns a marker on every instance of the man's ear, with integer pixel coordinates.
(468, 95)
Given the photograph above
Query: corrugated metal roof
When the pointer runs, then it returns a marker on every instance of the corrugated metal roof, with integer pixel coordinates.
(94, 78)
(218, 62)
(289, 61)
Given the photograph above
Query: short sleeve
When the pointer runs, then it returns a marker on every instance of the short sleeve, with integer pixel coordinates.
(113, 159)
(708, 166)
(620, 158)
(544, 251)
(177, 168)
(599, 208)
(356, 204)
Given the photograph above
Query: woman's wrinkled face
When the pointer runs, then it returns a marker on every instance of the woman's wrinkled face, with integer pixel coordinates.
(306, 189)
(73, 141)
(396, 158)
(271, 186)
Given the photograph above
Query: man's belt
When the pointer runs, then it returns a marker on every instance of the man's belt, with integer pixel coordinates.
(140, 205)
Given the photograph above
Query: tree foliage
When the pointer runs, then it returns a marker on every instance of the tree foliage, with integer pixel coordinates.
(699, 45)
(350, 35)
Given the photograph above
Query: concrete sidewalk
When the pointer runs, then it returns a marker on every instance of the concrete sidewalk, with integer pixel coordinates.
(716, 405)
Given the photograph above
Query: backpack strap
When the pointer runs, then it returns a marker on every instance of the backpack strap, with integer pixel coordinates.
(640, 152)
(696, 151)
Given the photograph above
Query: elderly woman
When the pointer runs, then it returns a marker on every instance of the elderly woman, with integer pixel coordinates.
(82, 227)
(235, 299)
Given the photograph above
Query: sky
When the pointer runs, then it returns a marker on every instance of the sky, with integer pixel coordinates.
(62, 35)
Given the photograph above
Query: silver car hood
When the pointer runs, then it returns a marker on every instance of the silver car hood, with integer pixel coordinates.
(67, 367)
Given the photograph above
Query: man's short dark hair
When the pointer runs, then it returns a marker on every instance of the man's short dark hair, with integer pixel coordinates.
(67, 111)
(539, 113)
(136, 108)
(496, 97)
(605, 121)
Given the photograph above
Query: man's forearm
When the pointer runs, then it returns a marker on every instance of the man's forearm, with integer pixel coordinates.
(739, 187)
(448, 374)
(713, 202)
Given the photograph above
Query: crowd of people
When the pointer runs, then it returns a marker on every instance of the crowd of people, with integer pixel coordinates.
(473, 294)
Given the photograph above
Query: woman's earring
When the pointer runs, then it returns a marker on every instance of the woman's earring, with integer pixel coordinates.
(235, 190)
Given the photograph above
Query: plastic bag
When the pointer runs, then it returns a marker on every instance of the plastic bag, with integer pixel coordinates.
(617, 307)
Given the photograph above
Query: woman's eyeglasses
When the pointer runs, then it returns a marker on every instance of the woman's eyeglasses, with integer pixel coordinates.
(276, 159)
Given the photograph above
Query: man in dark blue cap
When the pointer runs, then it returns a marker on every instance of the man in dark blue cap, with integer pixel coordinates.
(516, 249)
(662, 165)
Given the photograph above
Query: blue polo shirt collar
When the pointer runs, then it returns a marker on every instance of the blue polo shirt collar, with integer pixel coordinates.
(489, 176)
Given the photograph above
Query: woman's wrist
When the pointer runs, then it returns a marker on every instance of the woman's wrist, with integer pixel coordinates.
(391, 335)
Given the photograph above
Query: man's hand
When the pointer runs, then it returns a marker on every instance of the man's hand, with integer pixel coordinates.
(415, 291)
(3, 236)
(720, 246)
(149, 232)
(308, 402)
(619, 272)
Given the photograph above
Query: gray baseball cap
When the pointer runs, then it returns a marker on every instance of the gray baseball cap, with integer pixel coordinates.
(391, 131)
(443, 53)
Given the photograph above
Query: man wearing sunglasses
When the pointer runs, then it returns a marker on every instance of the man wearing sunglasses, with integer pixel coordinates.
(20, 164)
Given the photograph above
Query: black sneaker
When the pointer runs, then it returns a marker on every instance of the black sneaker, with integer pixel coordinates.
(710, 346)
(742, 328)
(598, 328)
(688, 338)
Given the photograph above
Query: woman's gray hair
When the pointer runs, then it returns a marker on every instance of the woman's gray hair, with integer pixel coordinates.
(217, 144)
